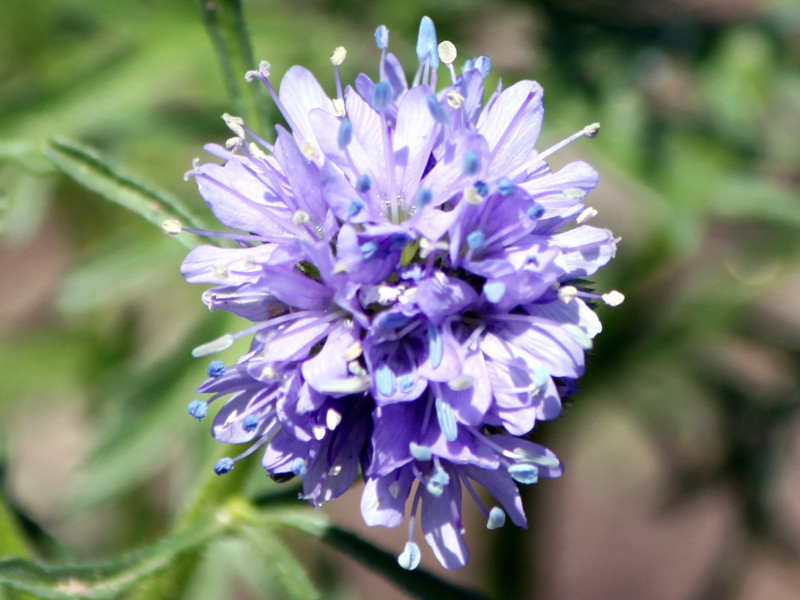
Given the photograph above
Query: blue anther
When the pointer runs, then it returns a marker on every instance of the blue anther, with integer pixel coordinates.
(420, 453)
(482, 188)
(250, 422)
(385, 380)
(355, 207)
(382, 37)
(427, 46)
(494, 291)
(345, 133)
(224, 465)
(471, 163)
(216, 368)
(368, 249)
(299, 466)
(406, 383)
(524, 473)
(364, 183)
(505, 186)
(198, 409)
(393, 321)
(497, 518)
(439, 114)
(409, 559)
(535, 211)
(381, 96)
(424, 197)
(476, 240)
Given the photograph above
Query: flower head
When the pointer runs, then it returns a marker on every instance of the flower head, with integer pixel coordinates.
(409, 264)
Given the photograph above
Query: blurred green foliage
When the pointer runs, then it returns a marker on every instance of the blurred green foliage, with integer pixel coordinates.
(700, 171)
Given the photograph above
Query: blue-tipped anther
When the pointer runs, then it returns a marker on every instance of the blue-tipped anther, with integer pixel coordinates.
(439, 114)
(494, 291)
(385, 380)
(505, 186)
(482, 188)
(420, 453)
(368, 249)
(345, 133)
(382, 37)
(224, 465)
(424, 197)
(355, 207)
(250, 422)
(535, 211)
(198, 409)
(472, 162)
(410, 557)
(406, 383)
(427, 46)
(524, 473)
(216, 368)
(476, 240)
(437, 482)
(299, 466)
(381, 95)
(497, 518)
(364, 183)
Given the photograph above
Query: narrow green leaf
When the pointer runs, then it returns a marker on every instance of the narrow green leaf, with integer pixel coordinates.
(107, 579)
(291, 575)
(90, 170)
(226, 27)
(751, 198)
(418, 583)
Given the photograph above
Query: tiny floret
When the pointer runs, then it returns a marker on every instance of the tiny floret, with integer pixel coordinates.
(416, 282)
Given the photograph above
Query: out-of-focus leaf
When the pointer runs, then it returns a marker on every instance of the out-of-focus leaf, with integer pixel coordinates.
(751, 198)
(291, 575)
(108, 579)
(90, 170)
(419, 583)
(25, 153)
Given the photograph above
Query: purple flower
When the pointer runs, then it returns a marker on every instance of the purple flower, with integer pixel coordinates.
(410, 266)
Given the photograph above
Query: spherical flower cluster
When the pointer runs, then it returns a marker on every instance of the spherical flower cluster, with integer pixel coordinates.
(411, 267)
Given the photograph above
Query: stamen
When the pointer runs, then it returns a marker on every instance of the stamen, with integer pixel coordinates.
(353, 352)
(471, 163)
(345, 133)
(494, 291)
(410, 557)
(338, 56)
(497, 518)
(567, 293)
(505, 186)
(524, 473)
(382, 37)
(198, 409)
(535, 211)
(424, 197)
(261, 73)
(613, 298)
(364, 183)
(338, 107)
(235, 124)
(454, 99)
(439, 115)
(333, 418)
(216, 368)
(420, 453)
(299, 466)
(589, 131)
(300, 217)
(224, 465)
(588, 214)
(250, 423)
(381, 96)
(461, 383)
(472, 196)
(218, 345)
(476, 240)
(427, 51)
(171, 226)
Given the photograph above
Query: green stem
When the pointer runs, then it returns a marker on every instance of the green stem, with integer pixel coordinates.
(225, 24)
